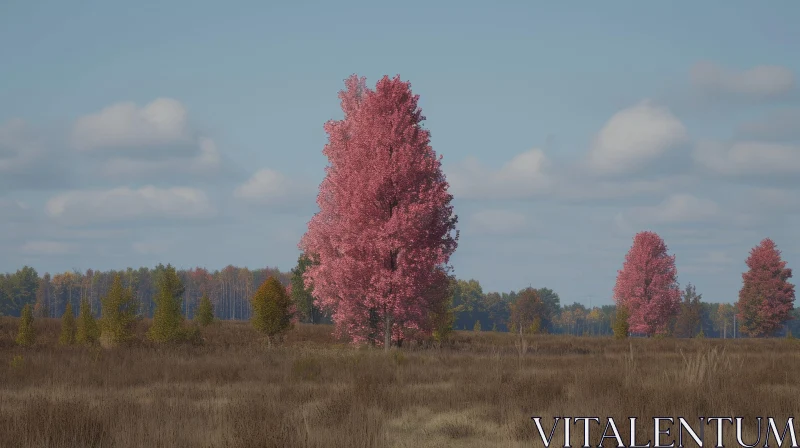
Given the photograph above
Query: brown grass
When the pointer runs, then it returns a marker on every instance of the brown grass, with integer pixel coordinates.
(314, 391)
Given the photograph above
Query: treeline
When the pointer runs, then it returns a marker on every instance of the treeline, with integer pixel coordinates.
(231, 289)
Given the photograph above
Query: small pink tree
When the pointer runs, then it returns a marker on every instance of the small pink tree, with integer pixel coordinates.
(647, 286)
(385, 223)
(766, 299)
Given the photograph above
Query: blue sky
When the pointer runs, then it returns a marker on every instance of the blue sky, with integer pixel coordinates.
(191, 132)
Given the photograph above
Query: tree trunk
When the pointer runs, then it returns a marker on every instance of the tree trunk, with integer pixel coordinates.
(387, 333)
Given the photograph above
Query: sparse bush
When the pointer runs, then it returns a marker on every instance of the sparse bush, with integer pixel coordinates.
(167, 318)
(27, 334)
(118, 314)
(67, 336)
(205, 312)
(88, 331)
(272, 309)
(17, 362)
(477, 326)
(621, 327)
(306, 368)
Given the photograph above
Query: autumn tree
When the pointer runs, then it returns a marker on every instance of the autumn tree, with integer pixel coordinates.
(302, 295)
(385, 221)
(88, 331)
(167, 317)
(689, 317)
(67, 336)
(272, 309)
(205, 312)
(527, 311)
(766, 299)
(118, 313)
(647, 285)
(26, 335)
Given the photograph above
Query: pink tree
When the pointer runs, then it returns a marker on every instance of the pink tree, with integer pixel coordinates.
(647, 286)
(385, 225)
(766, 299)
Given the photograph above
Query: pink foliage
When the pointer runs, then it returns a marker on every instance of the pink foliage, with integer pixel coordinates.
(647, 285)
(385, 218)
(766, 299)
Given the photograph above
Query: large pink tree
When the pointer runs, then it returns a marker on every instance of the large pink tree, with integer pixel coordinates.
(647, 286)
(766, 299)
(385, 225)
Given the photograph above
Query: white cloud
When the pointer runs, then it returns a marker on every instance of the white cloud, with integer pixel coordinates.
(125, 125)
(154, 140)
(120, 204)
(634, 137)
(206, 160)
(268, 186)
(761, 81)
(780, 125)
(675, 209)
(522, 177)
(46, 248)
(582, 188)
(17, 147)
(748, 158)
(498, 222)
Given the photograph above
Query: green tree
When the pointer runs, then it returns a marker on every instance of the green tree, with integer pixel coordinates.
(205, 312)
(88, 331)
(477, 326)
(272, 309)
(621, 326)
(27, 334)
(442, 312)
(688, 321)
(18, 290)
(302, 296)
(118, 314)
(67, 336)
(552, 306)
(167, 317)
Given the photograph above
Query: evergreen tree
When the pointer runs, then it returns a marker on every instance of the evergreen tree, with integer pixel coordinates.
(688, 321)
(272, 315)
(118, 314)
(167, 317)
(88, 332)
(67, 336)
(205, 312)
(27, 334)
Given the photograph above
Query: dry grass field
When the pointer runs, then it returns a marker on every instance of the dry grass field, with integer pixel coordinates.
(477, 391)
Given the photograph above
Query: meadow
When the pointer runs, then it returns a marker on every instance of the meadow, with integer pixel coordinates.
(478, 390)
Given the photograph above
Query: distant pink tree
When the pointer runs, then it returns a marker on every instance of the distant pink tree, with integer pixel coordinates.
(385, 225)
(766, 299)
(647, 286)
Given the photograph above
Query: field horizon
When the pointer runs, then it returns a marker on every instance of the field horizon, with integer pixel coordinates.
(478, 389)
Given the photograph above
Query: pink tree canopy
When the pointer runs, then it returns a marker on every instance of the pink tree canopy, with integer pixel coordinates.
(385, 223)
(766, 299)
(647, 286)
